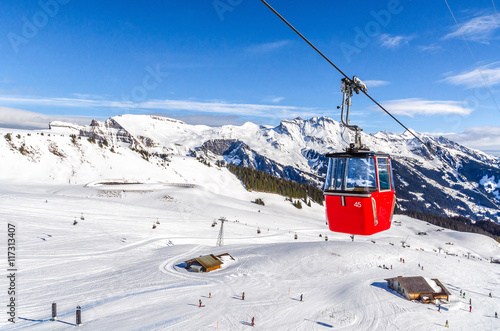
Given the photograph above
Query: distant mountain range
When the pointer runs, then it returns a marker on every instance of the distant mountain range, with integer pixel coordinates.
(295, 149)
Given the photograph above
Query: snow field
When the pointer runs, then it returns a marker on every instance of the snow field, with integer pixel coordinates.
(127, 276)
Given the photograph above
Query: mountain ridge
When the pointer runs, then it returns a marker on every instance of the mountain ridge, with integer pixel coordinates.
(295, 149)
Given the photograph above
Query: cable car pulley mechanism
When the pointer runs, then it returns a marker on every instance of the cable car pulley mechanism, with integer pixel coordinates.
(347, 87)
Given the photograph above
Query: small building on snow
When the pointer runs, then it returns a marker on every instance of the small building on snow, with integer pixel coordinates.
(206, 263)
(419, 288)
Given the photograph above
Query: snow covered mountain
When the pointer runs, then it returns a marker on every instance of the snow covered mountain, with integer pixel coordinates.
(294, 150)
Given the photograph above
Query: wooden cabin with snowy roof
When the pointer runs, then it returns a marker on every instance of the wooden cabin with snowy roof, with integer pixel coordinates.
(207, 263)
(419, 288)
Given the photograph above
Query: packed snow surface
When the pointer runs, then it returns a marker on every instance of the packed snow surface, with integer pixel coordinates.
(126, 275)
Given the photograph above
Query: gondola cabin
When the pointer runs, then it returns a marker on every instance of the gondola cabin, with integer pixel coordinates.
(359, 192)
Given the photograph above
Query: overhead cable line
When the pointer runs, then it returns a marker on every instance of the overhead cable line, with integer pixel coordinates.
(472, 54)
(378, 104)
(496, 12)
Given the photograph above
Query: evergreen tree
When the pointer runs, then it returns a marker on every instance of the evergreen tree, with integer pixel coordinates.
(261, 181)
(259, 201)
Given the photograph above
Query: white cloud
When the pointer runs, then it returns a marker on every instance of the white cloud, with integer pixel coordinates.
(430, 48)
(209, 120)
(485, 138)
(215, 107)
(393, 42)
(479, 29)
(23, 119)
(277, 99)
(273, 99)
(223, 107)
(375, 83)
(267, 47)
(473, 78)
(415, 106)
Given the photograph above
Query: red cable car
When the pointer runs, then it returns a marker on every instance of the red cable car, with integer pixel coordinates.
(359, 192)
(359, 187)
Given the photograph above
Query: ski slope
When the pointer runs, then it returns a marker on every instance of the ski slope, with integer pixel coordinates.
(127, 276)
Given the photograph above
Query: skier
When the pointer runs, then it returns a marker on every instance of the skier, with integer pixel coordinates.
(301, 297)
(470, 301)
(460, 292)
(422, 267)
(209, 295)
(470, 309)
(253, 321)
(439, 307)
(419, 265)
(464, 294)
(243, 296)
(490, 294)
(200, 303)
(447, 325)
(391, 266)
(496, 315)
(75, 222)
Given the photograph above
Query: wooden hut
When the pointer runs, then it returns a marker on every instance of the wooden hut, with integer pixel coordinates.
(418, 288)
(206, 263)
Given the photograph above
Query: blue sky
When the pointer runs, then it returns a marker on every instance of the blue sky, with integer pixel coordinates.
(229, 61)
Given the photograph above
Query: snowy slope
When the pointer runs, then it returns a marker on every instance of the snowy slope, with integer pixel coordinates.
(127, 276)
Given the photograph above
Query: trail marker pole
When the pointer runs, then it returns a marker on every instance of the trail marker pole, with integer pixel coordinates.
(78, 316)
(54, 311)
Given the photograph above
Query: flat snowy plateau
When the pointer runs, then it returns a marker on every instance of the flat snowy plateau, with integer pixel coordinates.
(126, 275)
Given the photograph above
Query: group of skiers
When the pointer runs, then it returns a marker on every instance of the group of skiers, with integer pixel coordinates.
(75, 222)
(242, 298)
(462, 295)
(154, 224)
